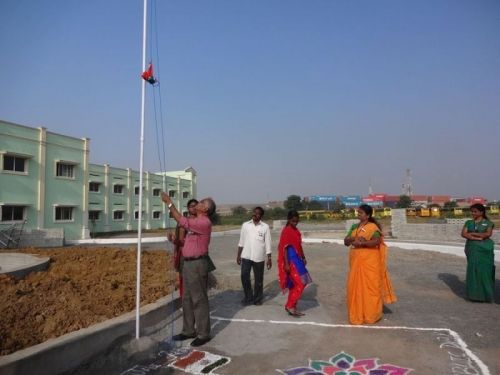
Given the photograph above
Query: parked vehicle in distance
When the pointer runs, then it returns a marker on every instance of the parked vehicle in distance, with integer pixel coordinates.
(411, 211)
(382, 212)
(424, 212)
(493, 209)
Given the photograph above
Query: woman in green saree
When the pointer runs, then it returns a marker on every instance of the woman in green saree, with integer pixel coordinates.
(480, 279)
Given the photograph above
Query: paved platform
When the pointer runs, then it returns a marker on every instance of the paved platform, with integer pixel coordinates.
(432, 329)
(19, 265)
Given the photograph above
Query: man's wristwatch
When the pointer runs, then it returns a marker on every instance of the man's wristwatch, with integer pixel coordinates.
(170, 205)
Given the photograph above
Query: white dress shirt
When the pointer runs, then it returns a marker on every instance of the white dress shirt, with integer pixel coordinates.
(255, 239)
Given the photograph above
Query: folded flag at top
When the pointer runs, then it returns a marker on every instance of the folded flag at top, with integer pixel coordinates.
(148, 75)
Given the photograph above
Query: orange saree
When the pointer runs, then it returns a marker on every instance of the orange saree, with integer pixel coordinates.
(368, 282)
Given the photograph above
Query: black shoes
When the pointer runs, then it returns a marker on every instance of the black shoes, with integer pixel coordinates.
(199, 341)
(196, 342)
(248, 302)
(182, 337)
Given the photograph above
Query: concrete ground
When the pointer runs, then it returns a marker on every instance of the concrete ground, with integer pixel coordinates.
(432, 329)
(19, 265)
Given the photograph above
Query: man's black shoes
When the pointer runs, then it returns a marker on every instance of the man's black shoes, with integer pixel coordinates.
(199, 341)
(196, 342)
(182, 337)
(246, 302)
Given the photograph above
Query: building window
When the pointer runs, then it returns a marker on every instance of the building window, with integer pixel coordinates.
(94, 215)
(64, 213)
(156, 192)
(156, 214)
(185, 194)
(171, 193)
(136, 215)
(65, 170)
(94, 187)
(13, 213)
(118, 189)
(136, 190)
(118, 215)
(15, 163)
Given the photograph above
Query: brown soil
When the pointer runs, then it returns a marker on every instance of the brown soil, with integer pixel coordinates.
(81, 287)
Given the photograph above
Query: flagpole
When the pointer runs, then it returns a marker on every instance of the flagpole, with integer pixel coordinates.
(139, 225)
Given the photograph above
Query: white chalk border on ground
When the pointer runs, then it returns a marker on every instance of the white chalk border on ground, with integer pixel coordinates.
(459, 342)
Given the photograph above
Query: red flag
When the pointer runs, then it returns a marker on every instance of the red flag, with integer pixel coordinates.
(148, 75)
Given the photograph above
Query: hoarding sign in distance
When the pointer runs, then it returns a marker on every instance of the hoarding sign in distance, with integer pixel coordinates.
(324, 198)
(351, 200)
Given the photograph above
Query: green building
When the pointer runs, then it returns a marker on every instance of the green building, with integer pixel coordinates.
(47, 182)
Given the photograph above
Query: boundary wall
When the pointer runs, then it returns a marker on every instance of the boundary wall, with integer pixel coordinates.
(442, 232)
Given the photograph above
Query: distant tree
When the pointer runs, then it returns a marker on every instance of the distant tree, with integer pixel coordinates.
(239, 211)
(337, 206)
(311, 205)
(450, 205)
(277, 213)
(293, 202)
(404, 201)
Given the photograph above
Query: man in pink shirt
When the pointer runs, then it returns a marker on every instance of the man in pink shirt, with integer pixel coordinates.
(195, 310)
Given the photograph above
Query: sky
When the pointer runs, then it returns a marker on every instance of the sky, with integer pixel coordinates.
(268, 98)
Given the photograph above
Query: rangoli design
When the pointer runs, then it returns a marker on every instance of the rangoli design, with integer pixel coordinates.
(185, 359)
(345, 364)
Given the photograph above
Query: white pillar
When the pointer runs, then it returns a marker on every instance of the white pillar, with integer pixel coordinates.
(85, 190)
(42, 152)
(130, 209)
(107, 192)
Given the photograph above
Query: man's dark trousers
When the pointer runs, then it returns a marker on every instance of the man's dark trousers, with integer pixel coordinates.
(195, 308)
(257, 294)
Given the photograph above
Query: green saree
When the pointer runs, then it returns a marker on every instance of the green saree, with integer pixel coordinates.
(480, 279)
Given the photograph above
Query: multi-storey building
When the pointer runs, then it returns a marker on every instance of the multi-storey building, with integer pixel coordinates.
(47, 181)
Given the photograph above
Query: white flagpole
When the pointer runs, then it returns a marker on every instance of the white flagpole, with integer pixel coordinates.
(139, 225)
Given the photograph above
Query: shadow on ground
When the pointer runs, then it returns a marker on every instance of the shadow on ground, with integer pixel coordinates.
(457, 286)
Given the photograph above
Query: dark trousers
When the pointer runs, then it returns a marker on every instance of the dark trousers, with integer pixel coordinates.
(195, 309)
(257, 294)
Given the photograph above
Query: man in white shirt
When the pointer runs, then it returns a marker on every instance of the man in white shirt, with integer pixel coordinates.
(253, 249)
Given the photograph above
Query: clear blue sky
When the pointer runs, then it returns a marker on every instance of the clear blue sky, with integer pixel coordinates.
(268, 98)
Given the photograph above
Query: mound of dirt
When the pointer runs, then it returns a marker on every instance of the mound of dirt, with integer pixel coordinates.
(81, 287)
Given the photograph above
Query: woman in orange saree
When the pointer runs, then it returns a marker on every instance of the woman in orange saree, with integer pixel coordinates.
(368, 282)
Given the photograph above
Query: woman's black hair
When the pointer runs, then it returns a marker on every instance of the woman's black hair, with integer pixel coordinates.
(480, 208)
(192, 200)
(291, 215)
(367, 209)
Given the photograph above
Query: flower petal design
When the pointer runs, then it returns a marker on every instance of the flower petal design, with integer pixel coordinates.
(345, 364)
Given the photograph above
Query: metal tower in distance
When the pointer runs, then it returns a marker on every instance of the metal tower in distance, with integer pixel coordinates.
(407, 188)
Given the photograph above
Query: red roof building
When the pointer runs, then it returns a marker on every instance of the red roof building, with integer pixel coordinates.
(439, 199)
(474, 200)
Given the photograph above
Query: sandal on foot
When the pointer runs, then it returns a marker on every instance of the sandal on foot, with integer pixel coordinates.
(292, 312)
